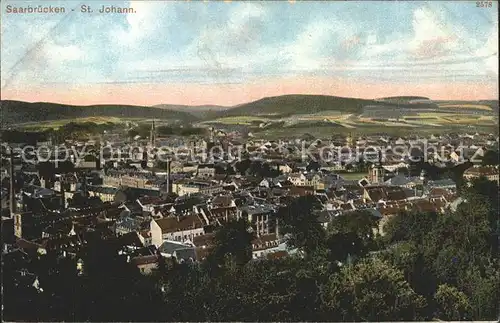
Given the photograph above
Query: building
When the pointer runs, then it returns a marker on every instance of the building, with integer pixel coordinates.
(490, 172)
(188, 187)
(261, 217)
(146, 264)
(205, 170)
(175, 228)
(105, 193)
(377, 172)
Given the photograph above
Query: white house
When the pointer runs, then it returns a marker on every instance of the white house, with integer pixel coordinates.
(175, 228)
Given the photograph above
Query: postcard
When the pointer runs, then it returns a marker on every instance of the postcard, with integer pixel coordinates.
(249, 160)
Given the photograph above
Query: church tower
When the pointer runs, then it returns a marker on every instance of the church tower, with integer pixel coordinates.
(152, 135)
(377, 172)
(350, 140)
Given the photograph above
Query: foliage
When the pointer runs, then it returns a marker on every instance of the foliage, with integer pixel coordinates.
(457, 249)
(351, 234)
(491, 157)
(411, 226)
(428, 266)
(299, 223)
(18, 111)
(372, 290)
(233, 243)
(452, 304)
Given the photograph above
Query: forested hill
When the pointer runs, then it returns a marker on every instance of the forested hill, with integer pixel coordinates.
(287, 105)
(13, 112)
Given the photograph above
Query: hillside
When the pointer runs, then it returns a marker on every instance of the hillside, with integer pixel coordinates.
(493, 104)
(402, 99)
(287, 105)
(14, 112)
(199, 111)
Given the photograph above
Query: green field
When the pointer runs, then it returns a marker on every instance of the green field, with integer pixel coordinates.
(241, 120)
(353, 176)
(465, 106)
(368, 129)
(56, 124)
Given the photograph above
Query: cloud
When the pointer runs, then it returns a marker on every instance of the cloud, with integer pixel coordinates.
(490, 50)
(200, 43)
(150, 19)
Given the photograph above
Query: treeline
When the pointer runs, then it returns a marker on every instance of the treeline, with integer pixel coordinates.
(79, 130)
(71, 130)
(19, 112)
(427, 266)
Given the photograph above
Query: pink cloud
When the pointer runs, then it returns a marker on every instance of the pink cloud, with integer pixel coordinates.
(433, 47)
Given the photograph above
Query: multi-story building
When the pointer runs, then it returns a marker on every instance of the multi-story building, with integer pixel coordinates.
(490, 172)
(175, 228)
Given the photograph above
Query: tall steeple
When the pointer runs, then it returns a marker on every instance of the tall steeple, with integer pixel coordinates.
(152, 135)
(377, 172)
(169, 183)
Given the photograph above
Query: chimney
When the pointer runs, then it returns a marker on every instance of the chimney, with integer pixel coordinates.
(85, 185)
(277, 229)
(169, 184)
(12, 195)
(63, 194)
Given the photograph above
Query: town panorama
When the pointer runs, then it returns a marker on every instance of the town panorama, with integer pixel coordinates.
(249, 161)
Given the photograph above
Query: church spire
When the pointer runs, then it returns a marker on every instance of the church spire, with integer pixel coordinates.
(152, 134)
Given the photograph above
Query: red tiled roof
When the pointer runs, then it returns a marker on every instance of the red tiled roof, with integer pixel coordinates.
(376, 193)
(144, 260)
(425, 206)
(203, 240)
(181, 223)
(396, 195)
(389, 210)
(276, 255)
(145, 200)
(437, 191)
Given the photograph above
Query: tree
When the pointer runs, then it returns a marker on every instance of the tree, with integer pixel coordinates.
(300, 225)
(481, 287)
(313, 165)
(361, 165)
(452, 304)
(342, 245)
(242, 166)
(46, 170)
(233, 243)
(362, 223)
(132, 133)
(407, 256)
(411, 226)
(403, 171)
(371, 290)
(351, 234)
(491, 157)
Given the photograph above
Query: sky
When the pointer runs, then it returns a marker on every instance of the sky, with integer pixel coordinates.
(227, 53)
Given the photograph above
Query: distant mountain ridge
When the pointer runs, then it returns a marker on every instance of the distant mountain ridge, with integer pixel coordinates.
(199, 111)
(286, 105)
(14, 112)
